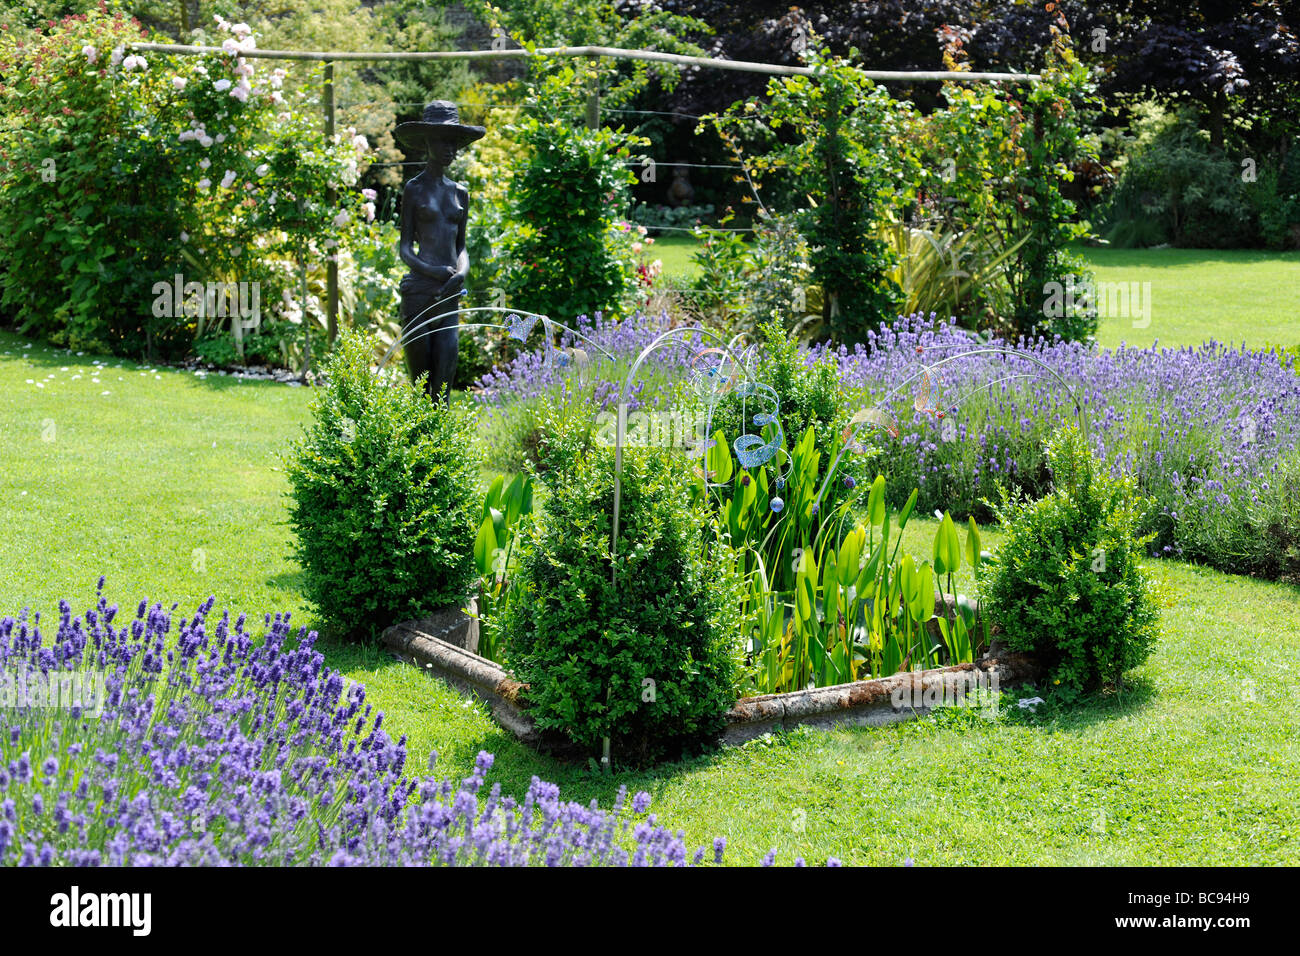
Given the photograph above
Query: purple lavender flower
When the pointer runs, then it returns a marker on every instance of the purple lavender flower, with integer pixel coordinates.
(246, 752)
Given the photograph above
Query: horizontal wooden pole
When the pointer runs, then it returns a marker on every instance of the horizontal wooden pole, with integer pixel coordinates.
(677, 59)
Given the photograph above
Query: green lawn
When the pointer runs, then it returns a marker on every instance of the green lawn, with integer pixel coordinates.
(170, 486)
(675, 250)
(1195, 294)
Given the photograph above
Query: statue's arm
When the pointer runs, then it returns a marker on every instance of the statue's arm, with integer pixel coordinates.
(406, 243)
(462, 256)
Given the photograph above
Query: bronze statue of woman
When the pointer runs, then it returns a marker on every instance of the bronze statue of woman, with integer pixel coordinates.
(432, 245)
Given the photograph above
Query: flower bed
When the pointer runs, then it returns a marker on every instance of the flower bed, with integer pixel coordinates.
(1212, 433)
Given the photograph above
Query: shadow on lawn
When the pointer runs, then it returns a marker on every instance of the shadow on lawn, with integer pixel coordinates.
(1098, 707)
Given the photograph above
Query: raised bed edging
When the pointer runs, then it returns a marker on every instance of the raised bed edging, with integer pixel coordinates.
(876, 702)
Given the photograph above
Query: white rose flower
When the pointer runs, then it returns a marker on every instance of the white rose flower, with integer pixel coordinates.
(178, 82)
(90, 53)
(228, 179)
(221, 85)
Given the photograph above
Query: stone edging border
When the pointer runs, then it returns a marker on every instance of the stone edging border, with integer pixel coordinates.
(877, 702)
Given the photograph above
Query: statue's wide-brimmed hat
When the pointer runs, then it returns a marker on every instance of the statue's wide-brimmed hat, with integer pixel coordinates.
(439, 124)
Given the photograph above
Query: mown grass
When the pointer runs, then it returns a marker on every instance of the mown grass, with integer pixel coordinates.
(1196, 763)
(1228, 295)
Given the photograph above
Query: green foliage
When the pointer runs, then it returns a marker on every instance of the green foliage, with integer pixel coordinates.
(996, 158)
(950, 273)
(260, 348)
(385, 497)
(809, 392)
(721, 260)
(567, 254)
(542, 23)
(856, 607)
(417, 25)
(209, 172)
(649, 661)
(681, 217)
(740, 286)
(1275, 201)
(844, 154)
(503, 508)
(1068, 582)
(1189, 192)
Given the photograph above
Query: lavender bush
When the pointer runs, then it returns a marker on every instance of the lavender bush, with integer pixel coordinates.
(1211, 433)
(513, 394)
(212, 748)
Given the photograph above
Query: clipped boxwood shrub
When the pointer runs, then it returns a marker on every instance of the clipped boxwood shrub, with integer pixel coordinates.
(650, 662)
(385, 497)
(1068, 583)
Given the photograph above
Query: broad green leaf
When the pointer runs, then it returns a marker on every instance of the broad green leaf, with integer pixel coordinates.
(972, 544)
(868, 573)
(514, 500)
(907, 510)
(493, 499)
(947, 547)
(921, 606)
(849, 556)
(719, 465)
(485, 547)
(907, 578)
(876, 512)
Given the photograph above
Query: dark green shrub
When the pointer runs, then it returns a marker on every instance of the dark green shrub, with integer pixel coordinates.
(1067, 582)
(260, 348)
(650, 662)
(565, 252)
(385, 497)
(1176, 187)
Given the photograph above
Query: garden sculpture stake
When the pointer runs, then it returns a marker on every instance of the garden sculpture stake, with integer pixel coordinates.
(432, 245)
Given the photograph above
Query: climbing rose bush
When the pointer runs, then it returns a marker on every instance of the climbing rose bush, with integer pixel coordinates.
(127, 169)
